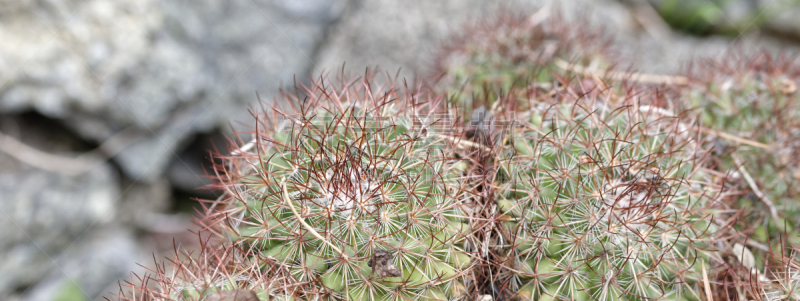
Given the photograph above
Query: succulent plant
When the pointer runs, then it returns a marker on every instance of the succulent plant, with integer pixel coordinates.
(603, 203)
(357, 193)
(750, 110)
(506, 54)
(210, 273)
(746, 110)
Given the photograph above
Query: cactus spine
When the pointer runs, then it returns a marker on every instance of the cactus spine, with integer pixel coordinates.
(358, 197)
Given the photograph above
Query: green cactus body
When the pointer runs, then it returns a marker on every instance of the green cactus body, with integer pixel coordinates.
(211, 272)
(501, 58)
(606, 203)
(201, 290)
(755, 102)
(346, 182)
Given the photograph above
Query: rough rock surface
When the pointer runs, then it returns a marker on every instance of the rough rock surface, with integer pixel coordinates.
(394, 35)
(167, 68)
(161, 70)
(373, 34)
(87, 269)
(44, 213)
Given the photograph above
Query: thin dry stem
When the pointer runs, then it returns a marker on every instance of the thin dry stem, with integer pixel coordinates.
(625, 76)
(734, 138)
(463, 143)
(706, 285)
(647, 108)
(302, 221)
(763, 197)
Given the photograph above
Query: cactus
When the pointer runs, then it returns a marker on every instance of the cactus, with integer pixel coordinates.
(589, 190)
(746, 108)
(510, 52)
(214, 270)
(604, 203)
(749, 107)
(357, 193)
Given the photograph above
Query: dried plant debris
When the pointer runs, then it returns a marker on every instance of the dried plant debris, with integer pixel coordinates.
(382, 266)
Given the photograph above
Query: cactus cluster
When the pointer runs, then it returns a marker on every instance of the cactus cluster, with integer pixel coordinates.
(504, 55)
(604, 203)
(213, 273)
(747, 109)
(568, 187)
(755, 100)
(357, 194)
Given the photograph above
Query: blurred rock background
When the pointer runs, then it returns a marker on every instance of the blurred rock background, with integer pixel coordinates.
(108, 108)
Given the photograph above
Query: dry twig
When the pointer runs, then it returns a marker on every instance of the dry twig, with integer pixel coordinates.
(734, 138)
(463, 143)
(705, 282)
(752, 183)
(626, 76)
(303, 222)
(647, 108)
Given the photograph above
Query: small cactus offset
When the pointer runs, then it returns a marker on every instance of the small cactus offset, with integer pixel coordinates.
(505, 55)
(748, 109)
(604, 203)
(226, 272)
(751, 110)
(355, 191)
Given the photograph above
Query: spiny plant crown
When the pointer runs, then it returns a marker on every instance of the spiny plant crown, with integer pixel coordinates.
(607, 203)
(360, 199)
(510, 52)
(755, 100)
(213, 270)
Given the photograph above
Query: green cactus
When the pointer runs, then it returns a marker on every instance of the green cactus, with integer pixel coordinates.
(606, 204)
(588, 191)
(209, 272)
(751, 112)
(506, 55)
(346, 179)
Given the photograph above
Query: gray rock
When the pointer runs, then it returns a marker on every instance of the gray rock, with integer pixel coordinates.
(168, 68)
(142, 200)
(394, 34)
(89, 269)
(373, 33)
(46, 217)
(784, 21)
(43, 213)
(191, 172)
